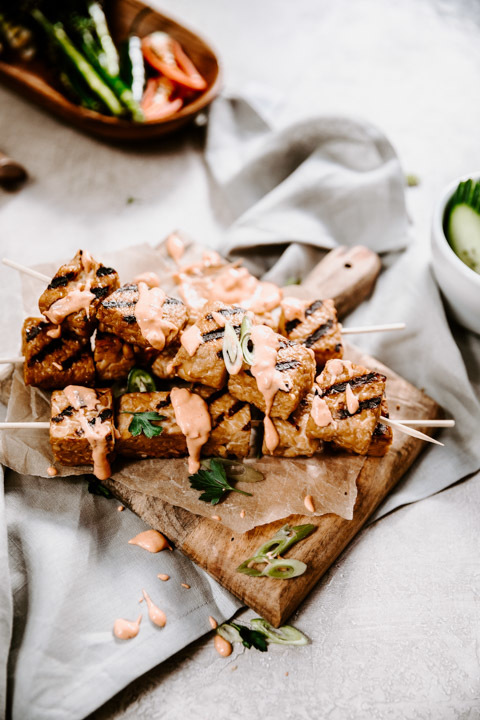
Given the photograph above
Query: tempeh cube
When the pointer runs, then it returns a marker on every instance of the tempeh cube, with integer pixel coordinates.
(171, 441)
(75, 292)
(116, 315)
(346, 405)
(231, 424)
(52, 361)
(315, 325)
(297, 365)
(292, 432)
(67, 435)
(382, 435)
(163, 364)
(206, 364)
(113, 357)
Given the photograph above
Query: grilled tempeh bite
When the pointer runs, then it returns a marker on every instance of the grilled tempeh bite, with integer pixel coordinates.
(54, 362)
(116, 315)
(169, 443)
(163, 364)
(113, 357)
(297, 365)
(69, 427)
(346, 405)
(231, 424)
(315, 325)
(294, 440)
(75, 292)
(205, 363)
(382, 435)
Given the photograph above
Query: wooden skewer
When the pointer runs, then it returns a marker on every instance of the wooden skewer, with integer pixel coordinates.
(373, 328)
(10, 360)
(26, 270)
(408, 430)
(426, 423)
(25, 426)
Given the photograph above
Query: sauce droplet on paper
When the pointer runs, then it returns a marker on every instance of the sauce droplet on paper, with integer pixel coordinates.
(126, 629)
(185, 586)
(308, 502)
(120, 508)
(213, 622)
(163, 576)
(156, 615)
(150, 540)
(52, 471)
(222, 646)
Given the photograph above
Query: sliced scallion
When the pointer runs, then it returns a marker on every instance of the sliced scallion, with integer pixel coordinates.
(285, 635)
(231, 350)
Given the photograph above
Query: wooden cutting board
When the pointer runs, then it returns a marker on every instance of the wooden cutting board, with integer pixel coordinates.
(349, 275)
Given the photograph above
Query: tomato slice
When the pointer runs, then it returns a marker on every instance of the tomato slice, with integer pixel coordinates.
(167, 56)
(156, 102)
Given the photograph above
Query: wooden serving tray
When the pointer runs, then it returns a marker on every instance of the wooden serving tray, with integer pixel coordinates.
(36, 82)
(347, 275)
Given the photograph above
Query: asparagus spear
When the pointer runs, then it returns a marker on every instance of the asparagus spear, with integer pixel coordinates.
(58, 35)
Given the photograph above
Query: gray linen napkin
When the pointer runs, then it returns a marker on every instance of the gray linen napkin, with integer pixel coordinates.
(333, 181)
(282, 197)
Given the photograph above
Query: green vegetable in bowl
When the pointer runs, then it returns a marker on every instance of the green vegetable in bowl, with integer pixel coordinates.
(462, 223)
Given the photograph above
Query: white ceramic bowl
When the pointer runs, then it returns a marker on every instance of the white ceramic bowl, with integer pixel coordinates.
(459, 284)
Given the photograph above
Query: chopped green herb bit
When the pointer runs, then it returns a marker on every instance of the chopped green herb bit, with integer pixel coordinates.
(96, 488)
(143, 422)
(139, 380)
(261, 635)
(412, 180)
(213, 482)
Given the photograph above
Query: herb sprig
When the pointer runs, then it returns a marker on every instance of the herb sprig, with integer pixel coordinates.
(213, 482)
(142, 422)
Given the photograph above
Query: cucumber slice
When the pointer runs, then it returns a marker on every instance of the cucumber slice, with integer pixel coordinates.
(462, 223)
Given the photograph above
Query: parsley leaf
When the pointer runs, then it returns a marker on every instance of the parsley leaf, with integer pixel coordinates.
(96, 488)
(213, 481)
(142, 422)
(251, 638)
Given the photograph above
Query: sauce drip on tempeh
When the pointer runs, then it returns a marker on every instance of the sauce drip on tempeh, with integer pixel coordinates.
(81, 398)
(193, 419)
(149, 315)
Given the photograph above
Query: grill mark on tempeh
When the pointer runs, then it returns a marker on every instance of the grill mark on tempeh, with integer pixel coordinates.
(287, 365)
(235, 408)
(213, 335)
(105, 271)
(291, 325)
(61, 280)
(215, 396)
(319, 332)
(130, 319)
(127, 288)
(380, 429)
(65, 413)
(354, 382)
(100, 291)
(369, 404)
(172, 301)
(313, 307)
(247, 427)
(32, 332)
(49, 348)
(70, 361)
(226, 311)
(163, 403)
(118, 303)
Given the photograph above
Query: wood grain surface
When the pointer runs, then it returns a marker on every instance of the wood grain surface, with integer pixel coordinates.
(35, 81)
(219, 551)
(347, 275)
